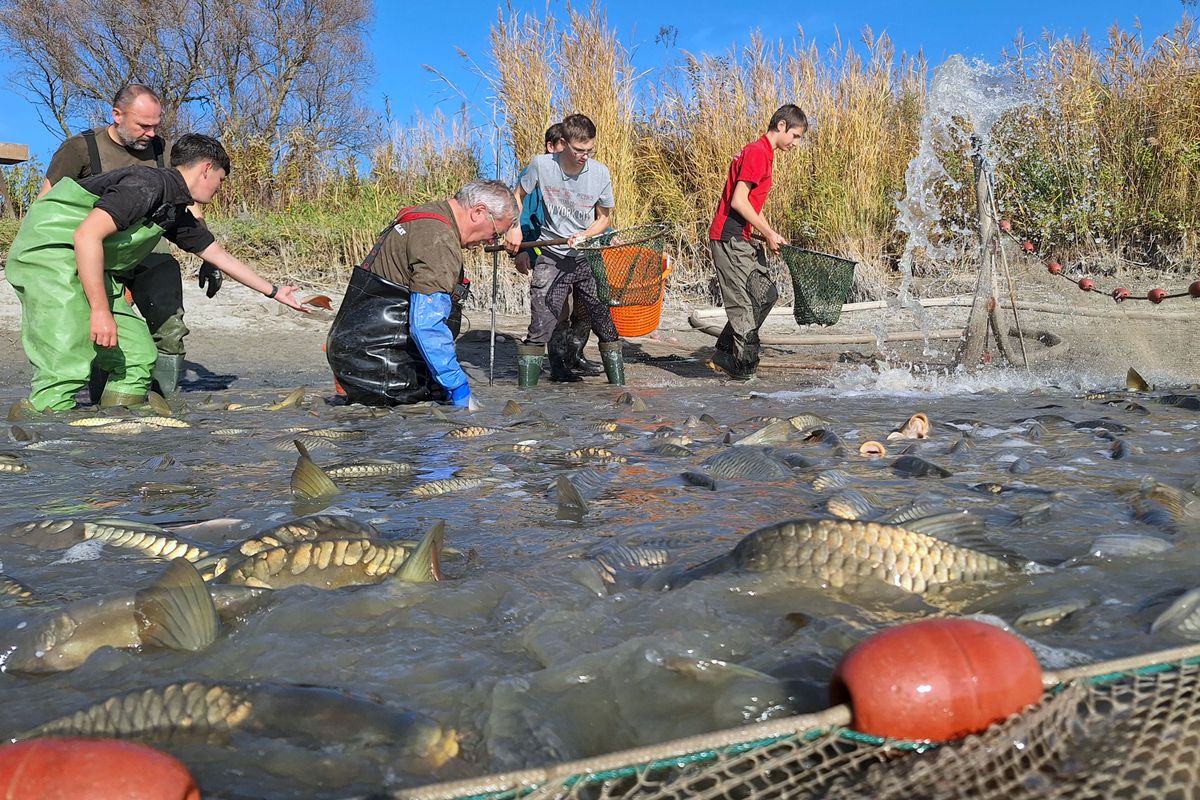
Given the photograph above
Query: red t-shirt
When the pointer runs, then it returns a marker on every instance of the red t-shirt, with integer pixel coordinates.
(752, 165)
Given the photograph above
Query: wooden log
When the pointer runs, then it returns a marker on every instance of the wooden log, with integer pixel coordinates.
(13, 153)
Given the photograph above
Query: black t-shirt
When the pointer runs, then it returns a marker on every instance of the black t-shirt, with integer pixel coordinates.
(157, 194)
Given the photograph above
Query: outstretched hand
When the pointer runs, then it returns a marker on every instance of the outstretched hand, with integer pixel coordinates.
(287, 296)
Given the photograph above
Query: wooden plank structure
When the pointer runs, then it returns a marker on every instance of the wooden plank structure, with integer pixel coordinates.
(10, 154)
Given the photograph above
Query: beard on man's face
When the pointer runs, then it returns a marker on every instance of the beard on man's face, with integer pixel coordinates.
(134, 142)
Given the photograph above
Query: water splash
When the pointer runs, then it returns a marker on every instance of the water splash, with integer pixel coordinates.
(965, 99)
(918, 380)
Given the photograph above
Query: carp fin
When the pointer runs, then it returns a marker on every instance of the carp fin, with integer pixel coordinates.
(308, 480)
(1135, 382)
(424, 564)
(571, 504)
(177, 612)
(159, 404)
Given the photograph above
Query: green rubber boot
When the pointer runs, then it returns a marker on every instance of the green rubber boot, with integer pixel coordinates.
(111, 398)
(164, 378)
(614, 362)
(529, 364)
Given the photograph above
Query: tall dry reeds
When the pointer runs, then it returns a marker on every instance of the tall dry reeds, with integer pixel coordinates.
(1107, 162)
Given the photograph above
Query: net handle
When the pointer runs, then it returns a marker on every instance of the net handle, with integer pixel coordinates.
(499, 248)
(761, 238)
(656, 231)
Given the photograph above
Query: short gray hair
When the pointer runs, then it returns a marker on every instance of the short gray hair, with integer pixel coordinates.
(130, 92)
(493, 195)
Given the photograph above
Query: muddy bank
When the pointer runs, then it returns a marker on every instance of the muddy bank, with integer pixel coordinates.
(240, 340)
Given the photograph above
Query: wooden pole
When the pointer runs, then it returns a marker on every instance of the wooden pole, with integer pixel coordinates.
(975, 338)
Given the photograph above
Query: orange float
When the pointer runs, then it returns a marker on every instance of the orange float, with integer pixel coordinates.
(98, 769)
(936, 680)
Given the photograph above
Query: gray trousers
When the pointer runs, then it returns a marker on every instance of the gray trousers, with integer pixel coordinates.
(548, 312)
(157, 288)
(747, 293)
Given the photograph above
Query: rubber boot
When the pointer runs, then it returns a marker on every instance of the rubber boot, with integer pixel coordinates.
(559, 351)
(614, 362)
(110, 398)
(164, 378)
(96, 383)
(580, 332)
(529, 364)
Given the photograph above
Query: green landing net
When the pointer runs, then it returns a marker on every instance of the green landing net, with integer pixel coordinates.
(820, 284)
(627, 264)
(1127, 728)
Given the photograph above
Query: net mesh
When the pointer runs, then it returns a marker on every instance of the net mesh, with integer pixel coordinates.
(1133, 734)
(627, 264)
(820, 284)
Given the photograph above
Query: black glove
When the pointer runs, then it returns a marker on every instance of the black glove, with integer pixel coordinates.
(213, 276)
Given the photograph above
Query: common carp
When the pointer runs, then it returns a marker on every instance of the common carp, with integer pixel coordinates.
(175, 612)
(57, 534)
(211, 711)
(336, 563)
(311, 528)
(838, 552)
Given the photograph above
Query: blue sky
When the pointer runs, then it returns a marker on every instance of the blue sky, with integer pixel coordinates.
(407, 35)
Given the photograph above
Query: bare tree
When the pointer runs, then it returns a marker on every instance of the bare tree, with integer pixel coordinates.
(272, 74)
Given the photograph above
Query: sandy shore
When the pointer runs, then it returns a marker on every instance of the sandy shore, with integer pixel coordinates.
(240, 340)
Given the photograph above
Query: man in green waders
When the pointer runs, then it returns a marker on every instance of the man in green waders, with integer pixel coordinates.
(155, 284)
(75, 242)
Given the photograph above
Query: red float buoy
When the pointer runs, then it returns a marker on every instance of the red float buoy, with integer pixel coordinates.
(1027, 246)
(1086, 284)
(1194, 289)
(1156, 296)
(98, 769)
(1120, 294)
(936, 680)
(1054, 268)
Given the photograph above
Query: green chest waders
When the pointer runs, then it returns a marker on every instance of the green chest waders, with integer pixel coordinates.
(55, 315)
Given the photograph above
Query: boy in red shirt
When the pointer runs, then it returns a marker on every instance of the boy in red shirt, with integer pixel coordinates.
(747, 291)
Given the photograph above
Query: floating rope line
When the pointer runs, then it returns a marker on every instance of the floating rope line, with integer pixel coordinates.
(1120, 294)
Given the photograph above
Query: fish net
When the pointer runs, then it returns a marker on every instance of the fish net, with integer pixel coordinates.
(820, 284)
(1119, 729)
(628, 264)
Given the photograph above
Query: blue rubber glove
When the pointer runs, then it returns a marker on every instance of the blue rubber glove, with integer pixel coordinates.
(461, 396)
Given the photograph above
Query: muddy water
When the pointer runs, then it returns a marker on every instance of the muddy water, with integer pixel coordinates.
(523, 649)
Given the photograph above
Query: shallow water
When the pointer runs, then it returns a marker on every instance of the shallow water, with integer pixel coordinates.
(522, 649)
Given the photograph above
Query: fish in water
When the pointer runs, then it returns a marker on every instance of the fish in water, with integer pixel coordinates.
(1182, 618)
(838, 553)
(872, 449)
(144, 537)
(1181, 506)
(447, 485)
(369, 468)
(915, 427)
(780, 430)
(595, 454)
(212, 711)
(747, 462)
(693, 478)
(472, 432)
(917, 467)
(1134, 382)
(12, 464)
(175, 612)
(59, 534)
(11, 587)
(291, 401)
(336, 563)
(852, 504)
(512, 409)
(571, 504)
(308, 480)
